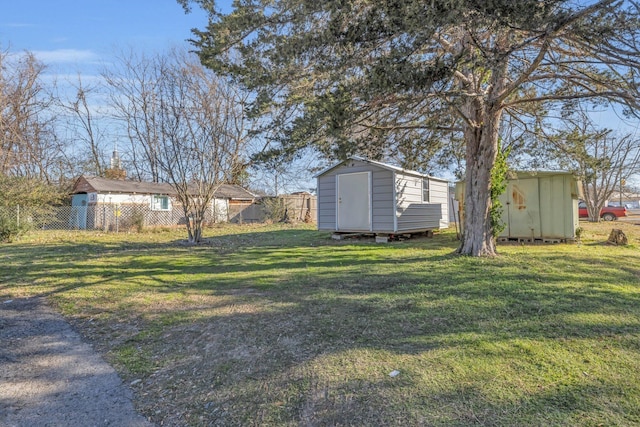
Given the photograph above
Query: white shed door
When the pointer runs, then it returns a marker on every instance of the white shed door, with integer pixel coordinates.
(354, 201)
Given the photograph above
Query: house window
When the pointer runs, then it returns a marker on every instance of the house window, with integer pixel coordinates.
(160, 203)
(425, 190)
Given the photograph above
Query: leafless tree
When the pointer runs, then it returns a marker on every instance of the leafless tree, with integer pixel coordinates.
(133, 81)
(609, 162)
(203, 134)
(188, 123)
(601, 159)
(28, 146)
(87, 136)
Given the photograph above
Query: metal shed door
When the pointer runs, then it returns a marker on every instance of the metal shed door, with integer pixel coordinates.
(523, 209)
(354, 201)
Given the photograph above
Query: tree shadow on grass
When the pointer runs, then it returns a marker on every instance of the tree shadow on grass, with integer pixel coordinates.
(268, 327)
(335, 315)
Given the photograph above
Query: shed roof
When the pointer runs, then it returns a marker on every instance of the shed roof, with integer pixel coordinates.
(513, 175)
(532, 174)
(381, 165)
(516, 175)
(88, 184)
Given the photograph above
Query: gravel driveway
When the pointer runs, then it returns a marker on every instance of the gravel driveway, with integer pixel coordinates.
(49, 377)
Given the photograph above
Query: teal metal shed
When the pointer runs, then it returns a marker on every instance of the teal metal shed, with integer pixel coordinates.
(537, 206)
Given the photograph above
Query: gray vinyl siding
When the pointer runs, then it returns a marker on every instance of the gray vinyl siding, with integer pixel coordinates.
(420, 216)
(408, 190)
(352, 166)
(412, 212)
(381, 196)
(439, 193)
(382, 201)
(396, 199)
(327, 202)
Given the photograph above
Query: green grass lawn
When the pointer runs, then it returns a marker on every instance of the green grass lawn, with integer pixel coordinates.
(280, 325)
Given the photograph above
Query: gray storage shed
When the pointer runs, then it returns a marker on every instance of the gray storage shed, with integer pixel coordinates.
(361, 195)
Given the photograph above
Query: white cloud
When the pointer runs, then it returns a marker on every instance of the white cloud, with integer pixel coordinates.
(87, 79)
(16, 25)
(66, 56)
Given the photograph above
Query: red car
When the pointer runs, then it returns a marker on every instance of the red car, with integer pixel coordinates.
(608, 213)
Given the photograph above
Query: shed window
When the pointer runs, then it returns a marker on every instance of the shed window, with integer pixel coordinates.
(425, 190)
(160, 203)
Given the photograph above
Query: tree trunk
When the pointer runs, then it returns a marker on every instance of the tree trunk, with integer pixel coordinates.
(482, 145)
(593, 200)
(198, 215)
(195, 235)
(190, 230)
(190, 217)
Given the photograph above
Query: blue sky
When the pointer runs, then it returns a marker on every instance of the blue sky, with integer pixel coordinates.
(80, 36)
(75, 35)
(72, 35)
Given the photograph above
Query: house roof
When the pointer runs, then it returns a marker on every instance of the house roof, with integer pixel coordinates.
(87, 184)
(228, 191)
(381, 165)
(91, 184)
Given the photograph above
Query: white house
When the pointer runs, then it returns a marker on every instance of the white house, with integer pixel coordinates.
(91, 194)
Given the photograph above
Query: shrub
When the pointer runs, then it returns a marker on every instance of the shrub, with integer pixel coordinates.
(10, 230)
(274, 209)
(137, 218)
(498, 186)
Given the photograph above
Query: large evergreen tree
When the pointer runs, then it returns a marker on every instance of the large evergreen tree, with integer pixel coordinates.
(401, 76)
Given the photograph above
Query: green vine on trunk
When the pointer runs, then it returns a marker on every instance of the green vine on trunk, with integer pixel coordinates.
(498, 186)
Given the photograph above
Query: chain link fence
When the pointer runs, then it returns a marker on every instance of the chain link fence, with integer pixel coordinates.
(135, 217)
(107, 217)
(41, 217)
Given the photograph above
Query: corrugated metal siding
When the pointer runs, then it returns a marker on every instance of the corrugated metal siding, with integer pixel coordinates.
(539, 207)
(555, 195)
(522, 209)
